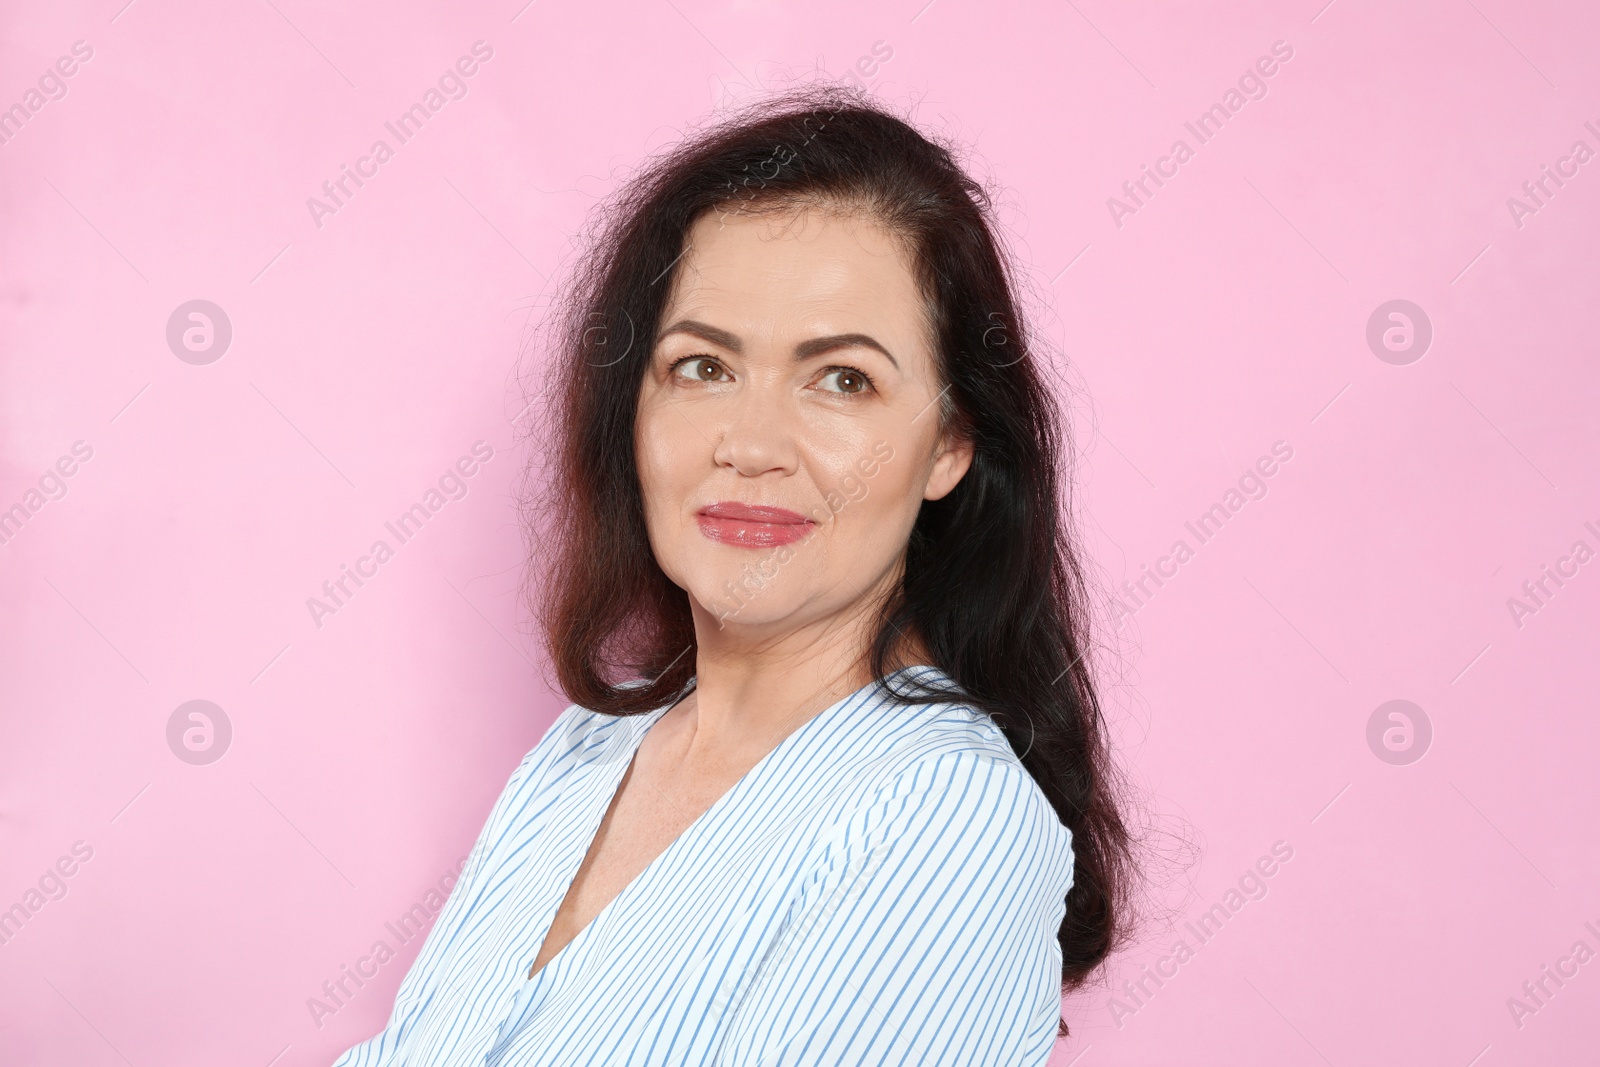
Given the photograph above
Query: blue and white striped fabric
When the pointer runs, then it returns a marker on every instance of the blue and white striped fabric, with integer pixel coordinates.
(884, 887)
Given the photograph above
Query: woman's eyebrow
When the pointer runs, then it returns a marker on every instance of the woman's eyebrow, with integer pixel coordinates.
(816, 346)
(711, 334)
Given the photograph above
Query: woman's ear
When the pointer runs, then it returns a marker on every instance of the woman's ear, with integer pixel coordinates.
(950, 463)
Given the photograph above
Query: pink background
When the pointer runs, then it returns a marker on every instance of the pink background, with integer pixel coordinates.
(1228, 312)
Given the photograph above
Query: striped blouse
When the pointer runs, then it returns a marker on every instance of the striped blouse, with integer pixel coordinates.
(884, 887)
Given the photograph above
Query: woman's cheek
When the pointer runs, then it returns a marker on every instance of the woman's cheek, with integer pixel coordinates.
(657, 485)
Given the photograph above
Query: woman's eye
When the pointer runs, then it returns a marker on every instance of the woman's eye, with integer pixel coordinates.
(845, 380)
(699, 369)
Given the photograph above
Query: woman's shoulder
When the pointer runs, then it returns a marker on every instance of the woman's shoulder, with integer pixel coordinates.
(947, 727)
(949, 760)
(578, 734)
(574, 736)
(949, 793)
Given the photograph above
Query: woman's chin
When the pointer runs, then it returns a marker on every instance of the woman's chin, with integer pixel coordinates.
(736, 607)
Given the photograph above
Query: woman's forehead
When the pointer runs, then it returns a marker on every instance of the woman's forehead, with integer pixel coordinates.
(765, 275)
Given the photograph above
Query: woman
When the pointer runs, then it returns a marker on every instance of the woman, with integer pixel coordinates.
(834, 787)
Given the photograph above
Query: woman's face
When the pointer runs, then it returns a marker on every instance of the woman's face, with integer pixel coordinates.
(788, 426)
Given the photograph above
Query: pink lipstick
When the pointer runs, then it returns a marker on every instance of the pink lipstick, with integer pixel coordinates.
(752, 525)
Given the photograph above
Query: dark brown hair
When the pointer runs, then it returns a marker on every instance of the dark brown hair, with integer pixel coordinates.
(992, 582)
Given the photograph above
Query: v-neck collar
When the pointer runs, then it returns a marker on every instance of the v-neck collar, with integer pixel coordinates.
(612, 762)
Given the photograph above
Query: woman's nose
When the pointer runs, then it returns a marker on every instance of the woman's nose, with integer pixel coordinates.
(758, 430)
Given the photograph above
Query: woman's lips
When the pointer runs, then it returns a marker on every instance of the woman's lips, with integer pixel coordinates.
(752, 525)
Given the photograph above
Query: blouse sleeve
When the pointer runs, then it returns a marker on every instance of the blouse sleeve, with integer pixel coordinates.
(929, 935)
(386, 1048)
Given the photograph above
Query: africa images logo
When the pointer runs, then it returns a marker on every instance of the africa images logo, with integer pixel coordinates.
(199, 332)
(199, 732)
(451, 85)
(1252, 85)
